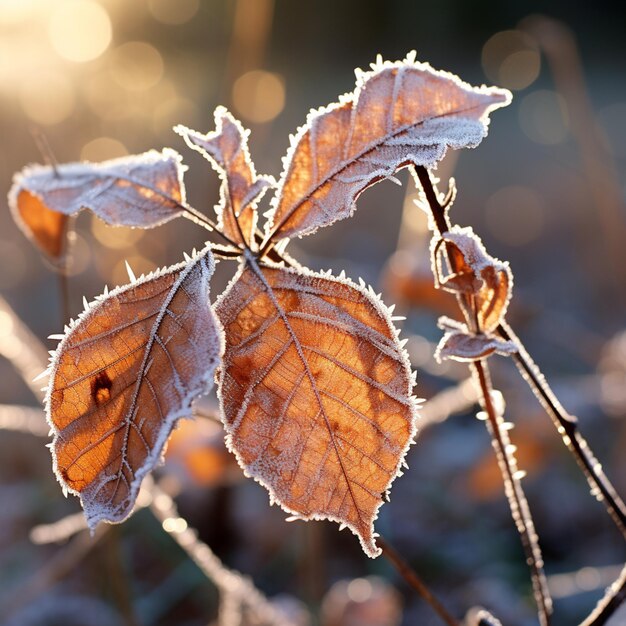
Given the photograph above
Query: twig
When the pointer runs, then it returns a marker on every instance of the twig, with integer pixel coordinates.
(613, 598)
(415, 582)
(23, 419)
(229, 582)
(567, 426)
(513, 489)
(56, 568)
(22, 348)
(64, 293)
(514, 492)
(452, 400)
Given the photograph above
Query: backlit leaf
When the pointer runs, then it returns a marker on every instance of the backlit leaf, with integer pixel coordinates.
(488, 279)
(316, 393)
(227, 150)
(399, 114)
(46, 228)
(144, 190)
(123, 375)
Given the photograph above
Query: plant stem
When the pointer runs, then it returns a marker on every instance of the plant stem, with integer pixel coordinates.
(500, 440)
(405, 570)
(612, 599)
(567, 426)
(514, 492)
(64, 294)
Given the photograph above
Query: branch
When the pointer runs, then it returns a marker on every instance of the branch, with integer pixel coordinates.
(414, 581)
(613, 598)
(513, 488)
(229, 582)
(567, 426)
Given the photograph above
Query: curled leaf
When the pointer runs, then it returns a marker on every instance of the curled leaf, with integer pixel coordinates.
(399, 114)
(476, 272)
(316, 393)
(227, 150)
(46, 228)
(143, 190)
(465, 347)
(123, 375)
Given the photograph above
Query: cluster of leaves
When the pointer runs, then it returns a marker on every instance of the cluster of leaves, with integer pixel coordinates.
(314, 383)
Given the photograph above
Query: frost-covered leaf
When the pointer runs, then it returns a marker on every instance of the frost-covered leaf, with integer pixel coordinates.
(399, 114)
(143, 190)
(227, 150)
(316, 393)
(46, 228)
(477, 273)
(123, 375)
(465, 347)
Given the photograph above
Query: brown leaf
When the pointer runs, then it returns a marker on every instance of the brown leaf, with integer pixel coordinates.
(227, 150)
(465, 347)
(400, 113)
(144, 190)
(316, 393)
(477, 273)
(47, 229)
(122, 377)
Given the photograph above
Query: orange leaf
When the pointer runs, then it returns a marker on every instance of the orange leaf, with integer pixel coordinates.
(123, 375)
(316, 393)
(227, 150)
(144, 190)
(400, 113)
(47, 229)
(478, 273)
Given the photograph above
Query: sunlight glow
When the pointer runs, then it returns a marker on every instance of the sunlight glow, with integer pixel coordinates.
(79, 30)
(259, 96)
(136, 66)
(47, 97)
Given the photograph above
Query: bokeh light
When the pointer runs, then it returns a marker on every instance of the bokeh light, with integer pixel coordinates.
(15, 11)
(101, 149)
(105, 97)
(259, 96)
(543, 117)
(173, 13)
(47, 97)
(79, 30)
(175, 110)
(136, 65)
(511, 59)
(515, 215)
(114, 237)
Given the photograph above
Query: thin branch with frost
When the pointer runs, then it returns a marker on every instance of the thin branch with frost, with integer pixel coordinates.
(24, 419)
(567, 427)
(448, 402)
(229, 582)
(22, 348)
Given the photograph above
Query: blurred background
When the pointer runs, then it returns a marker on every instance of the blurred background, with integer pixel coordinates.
(546, 191)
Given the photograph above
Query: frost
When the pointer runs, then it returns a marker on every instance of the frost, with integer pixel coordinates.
(316, 393)
(125, 373)
(400, 114)
(489, 280)
(142, 190)
(227, 150)
(465, 347)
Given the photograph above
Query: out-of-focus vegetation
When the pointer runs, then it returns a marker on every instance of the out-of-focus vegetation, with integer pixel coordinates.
(546, 191)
